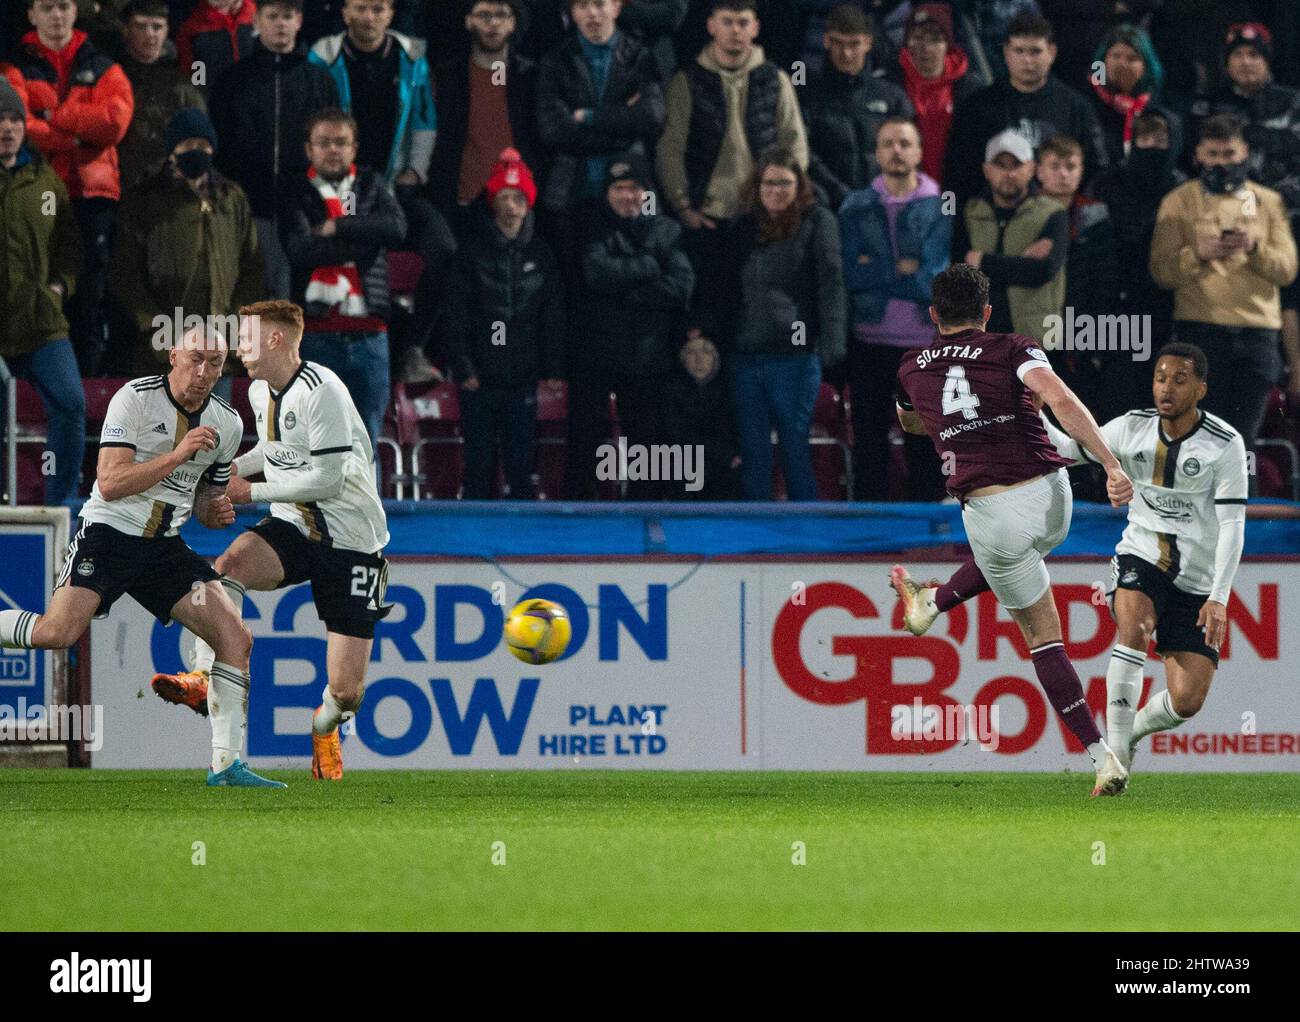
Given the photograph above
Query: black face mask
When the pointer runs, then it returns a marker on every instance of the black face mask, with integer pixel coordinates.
(1149, 166)
(1224, 179)
(194, 163)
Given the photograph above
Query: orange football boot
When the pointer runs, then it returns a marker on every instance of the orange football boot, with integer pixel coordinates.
(326, 755)
(189, 688)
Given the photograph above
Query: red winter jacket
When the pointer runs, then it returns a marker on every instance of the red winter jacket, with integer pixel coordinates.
(15, 79)
(79, 105)
(216, 39)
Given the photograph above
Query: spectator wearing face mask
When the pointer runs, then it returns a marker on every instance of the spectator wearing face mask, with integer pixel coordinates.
(1271, 113)
(186, 242)
(1223, 245)
(1132, 192)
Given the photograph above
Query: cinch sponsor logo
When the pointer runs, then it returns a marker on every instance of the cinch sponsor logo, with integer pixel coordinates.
(289, 667)
(75, 975)
(884, 667)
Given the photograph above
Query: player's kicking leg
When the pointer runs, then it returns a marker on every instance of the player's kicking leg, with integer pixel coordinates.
(1010, 533)
(923, 602)
(212, 617)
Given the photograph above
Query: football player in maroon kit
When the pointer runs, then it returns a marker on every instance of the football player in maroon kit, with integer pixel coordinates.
(973, 393)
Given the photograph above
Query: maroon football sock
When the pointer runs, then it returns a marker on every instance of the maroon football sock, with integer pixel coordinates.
(967, 581)
(1064, 691)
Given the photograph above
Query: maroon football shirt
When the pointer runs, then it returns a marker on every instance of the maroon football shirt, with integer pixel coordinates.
(969, 390)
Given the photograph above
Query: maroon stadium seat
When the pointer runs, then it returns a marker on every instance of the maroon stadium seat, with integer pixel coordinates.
(552, 429)
(428, 427)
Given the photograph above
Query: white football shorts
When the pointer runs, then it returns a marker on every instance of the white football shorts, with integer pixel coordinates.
(1011, 532)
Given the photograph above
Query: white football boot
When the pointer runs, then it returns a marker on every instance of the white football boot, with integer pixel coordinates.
(1112, 778)
(919, 610)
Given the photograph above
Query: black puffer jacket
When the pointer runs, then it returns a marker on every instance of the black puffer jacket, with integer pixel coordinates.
(843, 114)
(363, 238)
(615, 126)
(636, 286)
(260, 108)
(654, 22)
(774, 286)
(503, 318)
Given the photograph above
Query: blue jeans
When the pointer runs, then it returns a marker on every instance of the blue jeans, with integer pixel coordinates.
(778, 390)
(361, 361)
(52, 370)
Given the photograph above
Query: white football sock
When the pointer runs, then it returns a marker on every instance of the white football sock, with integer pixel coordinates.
(330, 715)
(204, 655)
(16, 628)
(228, 711)
(1157, 715)
(1123, 690)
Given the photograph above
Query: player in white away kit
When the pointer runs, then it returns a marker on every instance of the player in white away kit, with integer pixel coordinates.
(326, 526)
(166, 448)
(1172, 571)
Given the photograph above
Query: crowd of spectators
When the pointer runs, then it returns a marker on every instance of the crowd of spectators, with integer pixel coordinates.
(706, 208)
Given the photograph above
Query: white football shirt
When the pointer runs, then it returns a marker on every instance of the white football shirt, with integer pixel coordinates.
(145, 417)
(1177, 484)
(315, 454)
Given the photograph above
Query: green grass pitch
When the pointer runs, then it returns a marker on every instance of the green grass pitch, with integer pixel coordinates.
(83, 850)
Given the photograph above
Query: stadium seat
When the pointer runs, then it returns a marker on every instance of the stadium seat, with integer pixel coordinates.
(30, 440)
(404, 269)
(831, 452)
(551, 446)
(1277, 448)
(393, 476)
(428, 427)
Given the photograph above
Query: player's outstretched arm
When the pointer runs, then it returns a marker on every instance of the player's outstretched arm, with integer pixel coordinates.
(1080, 425)
(118, 476)
(321, 480)
(1066, 446)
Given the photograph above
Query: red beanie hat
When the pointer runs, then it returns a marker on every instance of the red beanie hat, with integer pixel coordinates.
(511, 172)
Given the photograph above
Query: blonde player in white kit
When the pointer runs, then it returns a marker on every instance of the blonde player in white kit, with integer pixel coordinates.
(1172, 571)
(326, 526)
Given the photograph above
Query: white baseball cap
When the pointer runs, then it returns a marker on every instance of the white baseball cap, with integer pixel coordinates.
(1009, 141)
